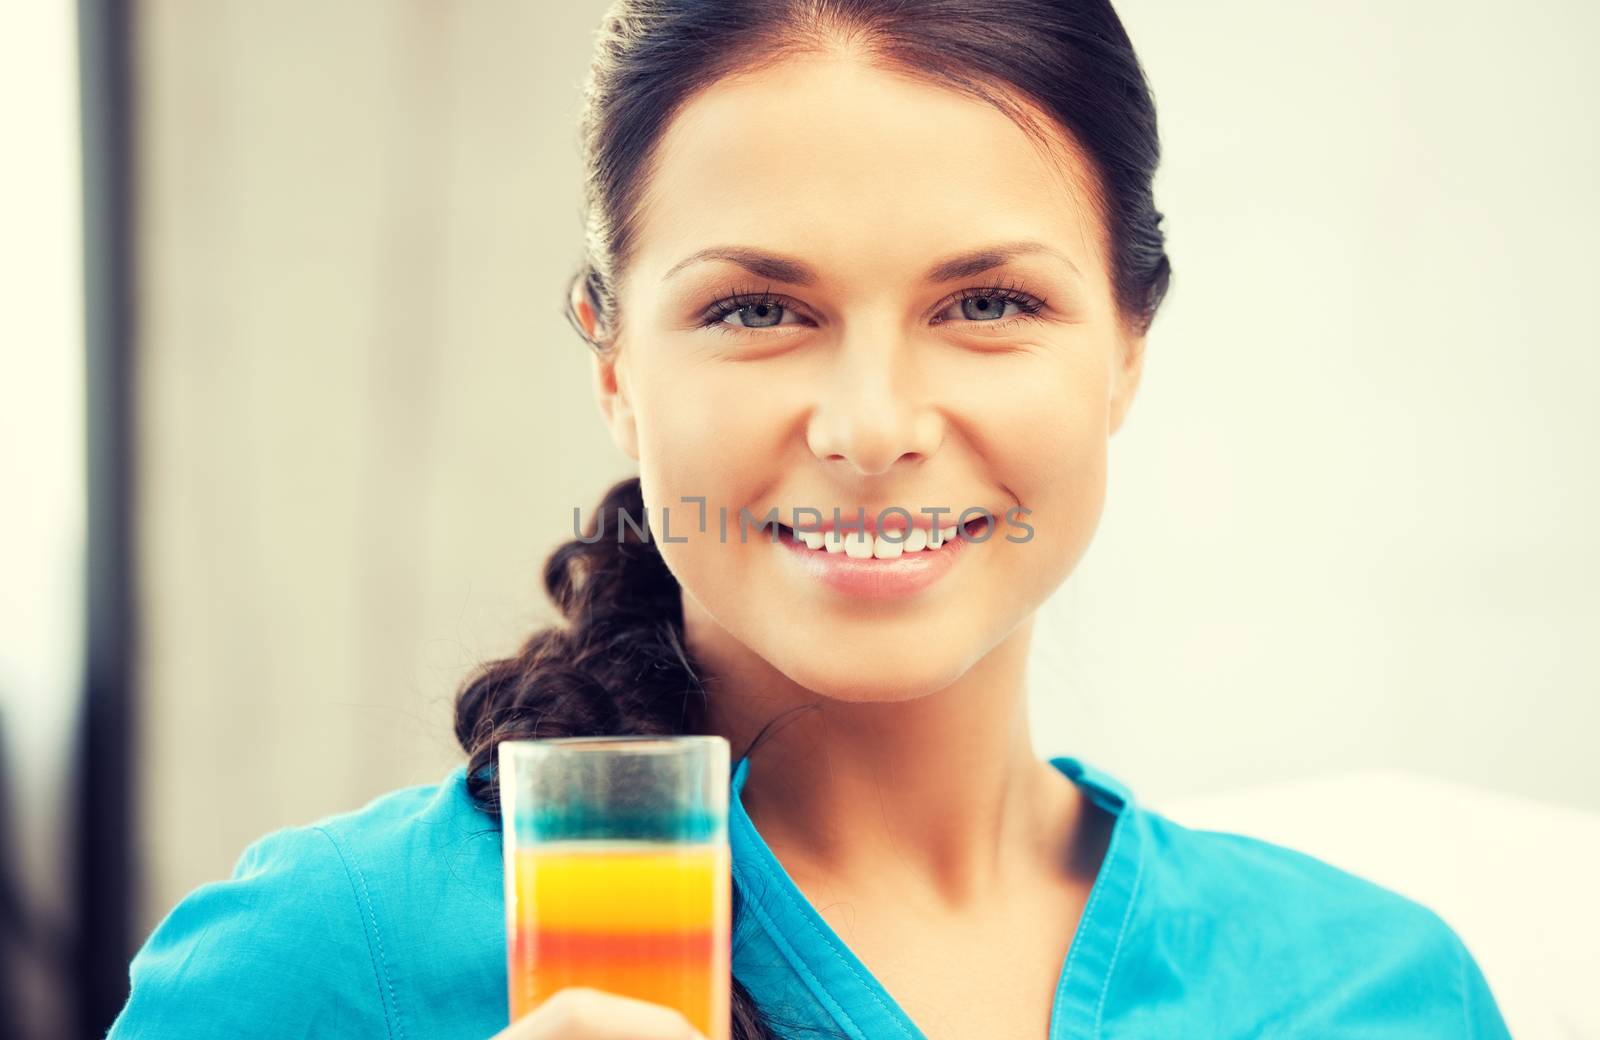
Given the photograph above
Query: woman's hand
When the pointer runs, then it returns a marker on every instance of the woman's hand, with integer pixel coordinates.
(585, 1013)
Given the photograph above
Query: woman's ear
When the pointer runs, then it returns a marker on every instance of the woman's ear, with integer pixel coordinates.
(611, 392)
(1125, 377)
(610, 385)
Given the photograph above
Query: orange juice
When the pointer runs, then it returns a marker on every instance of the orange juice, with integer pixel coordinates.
(646, 919)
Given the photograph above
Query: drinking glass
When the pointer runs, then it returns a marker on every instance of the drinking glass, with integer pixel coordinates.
(617, 870)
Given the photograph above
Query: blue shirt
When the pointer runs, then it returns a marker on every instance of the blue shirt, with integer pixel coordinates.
(389, 922)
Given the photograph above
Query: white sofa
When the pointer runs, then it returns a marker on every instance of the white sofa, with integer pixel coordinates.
(1519, 880)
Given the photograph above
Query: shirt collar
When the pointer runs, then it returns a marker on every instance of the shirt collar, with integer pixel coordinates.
(804, 976)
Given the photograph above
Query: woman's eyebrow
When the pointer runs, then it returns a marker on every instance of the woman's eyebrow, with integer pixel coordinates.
(779, 268)
(965, 265)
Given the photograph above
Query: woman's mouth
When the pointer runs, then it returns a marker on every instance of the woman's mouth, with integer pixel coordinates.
(886, 545)
(894, 563)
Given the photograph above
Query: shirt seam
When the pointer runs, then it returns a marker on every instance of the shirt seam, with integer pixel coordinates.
(1095, 892)
(1116, 948)
(833, 1006)
(380, 965)
(1094, 784)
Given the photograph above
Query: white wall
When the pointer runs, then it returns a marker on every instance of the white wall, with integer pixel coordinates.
(1351, 517)
(42, 483)
(1349, 514)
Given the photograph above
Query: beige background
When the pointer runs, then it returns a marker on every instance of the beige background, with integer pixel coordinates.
(364, 417)
(1350, 519)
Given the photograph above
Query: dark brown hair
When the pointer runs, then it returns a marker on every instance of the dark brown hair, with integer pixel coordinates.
(617, 663)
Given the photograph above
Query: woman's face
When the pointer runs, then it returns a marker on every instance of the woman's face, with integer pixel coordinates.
(866, 377)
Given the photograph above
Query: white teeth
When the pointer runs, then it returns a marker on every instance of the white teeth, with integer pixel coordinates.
(860, 545)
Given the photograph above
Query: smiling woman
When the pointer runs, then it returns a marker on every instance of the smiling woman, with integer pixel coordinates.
(882, 273)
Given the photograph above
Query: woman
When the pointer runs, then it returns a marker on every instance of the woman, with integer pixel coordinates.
(843, 255)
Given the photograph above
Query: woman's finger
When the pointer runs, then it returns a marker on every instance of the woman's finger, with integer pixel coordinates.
(585, 1013)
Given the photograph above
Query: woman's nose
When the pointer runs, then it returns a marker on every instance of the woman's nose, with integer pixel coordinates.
(872, 409)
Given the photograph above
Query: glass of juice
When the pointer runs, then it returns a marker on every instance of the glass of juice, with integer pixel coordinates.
(617, 871)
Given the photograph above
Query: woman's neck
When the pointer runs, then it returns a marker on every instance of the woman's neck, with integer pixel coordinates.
(943, 789)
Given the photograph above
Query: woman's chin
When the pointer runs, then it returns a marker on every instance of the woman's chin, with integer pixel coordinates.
(877, 674)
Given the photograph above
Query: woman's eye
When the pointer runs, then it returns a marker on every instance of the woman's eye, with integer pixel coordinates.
(733, 314)
(982, 307)
(756, 315)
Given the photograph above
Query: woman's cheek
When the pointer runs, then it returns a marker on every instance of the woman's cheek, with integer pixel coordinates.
(703, 457)
(1056, 467)
(683, 426)
(697, 404)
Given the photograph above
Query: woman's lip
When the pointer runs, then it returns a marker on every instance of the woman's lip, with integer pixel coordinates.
(872, 578)
(875, 523)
